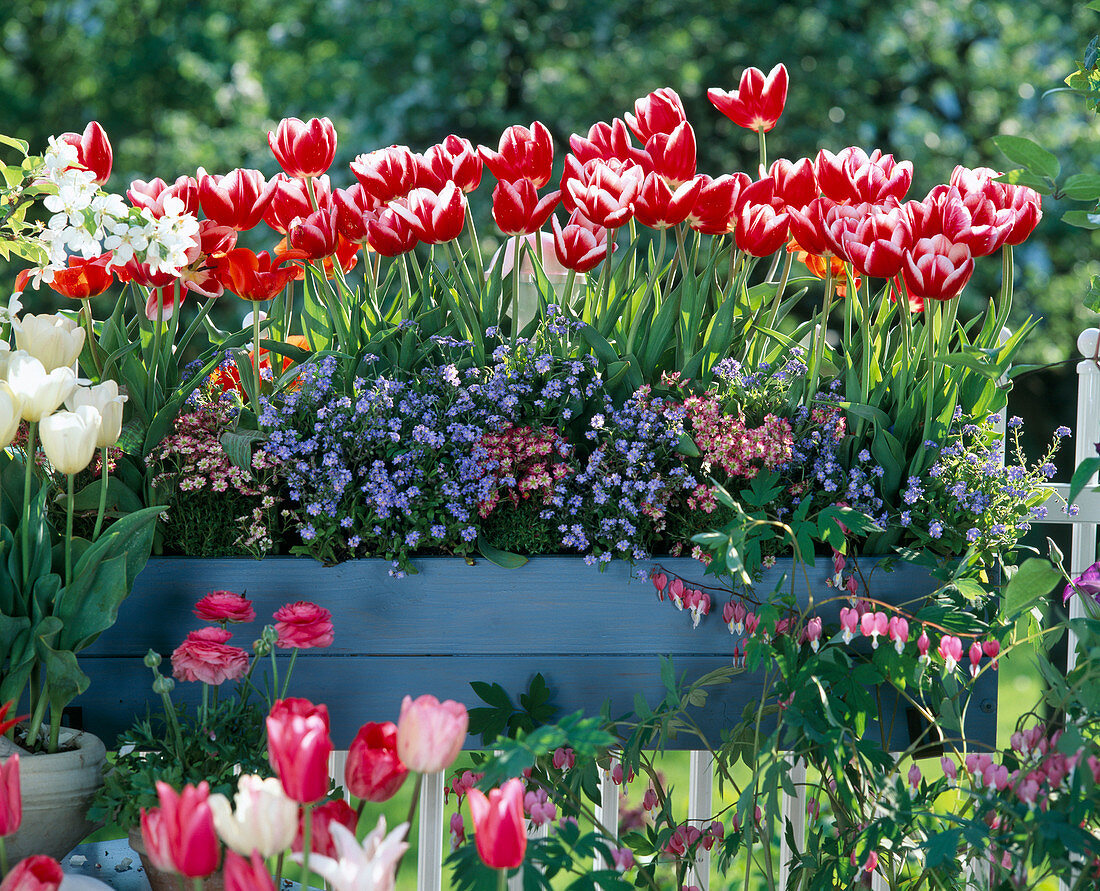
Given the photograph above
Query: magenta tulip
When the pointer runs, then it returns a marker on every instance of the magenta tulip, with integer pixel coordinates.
(498, 825)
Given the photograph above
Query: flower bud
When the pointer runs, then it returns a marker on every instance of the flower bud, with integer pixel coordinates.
(163, 685)
(152, 659)
(69, 438)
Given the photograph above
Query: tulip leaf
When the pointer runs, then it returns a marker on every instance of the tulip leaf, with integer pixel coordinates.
(505, 559)
(1081, 476)
(238, 446)
(120, 497)
(1027, 153)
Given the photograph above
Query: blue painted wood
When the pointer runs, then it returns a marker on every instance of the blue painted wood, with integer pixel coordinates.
(595, 636)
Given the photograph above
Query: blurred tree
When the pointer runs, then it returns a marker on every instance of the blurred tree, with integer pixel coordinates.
(183, 83)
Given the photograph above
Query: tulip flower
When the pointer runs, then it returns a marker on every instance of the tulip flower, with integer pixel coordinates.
(69, 438)
(795, 182)
(93, 150)
(673, 154)
(714, 210)
(290, 200)
(517, 208)
(246, 875)
(11, 801)
(54, 340)
(659, 207)
(878, 245)
(936, 269)
(435, 217)
(316, 235)
(323, 818)
(498, 825)
(430, 733)
(360, 866)
(237, 200)
(391, 233)
(374, 771)
(152, 195)
(184, 829)
(39, 392)
(261, 819)
(853, 176)
(973, 220)
(144, 275)
(387, 173)
(809, 228)
(303, 149)
(521, 154)
(840, 224)
(83, 279)
(107, 401)
(255, 277)
(758, 101)
(11, 413)
(581, 245)
(662, 111)
(355, 210)
(760, 229)
(606, 142)
(456, 160)
(605, 191)
(298, 746)
(36, 873)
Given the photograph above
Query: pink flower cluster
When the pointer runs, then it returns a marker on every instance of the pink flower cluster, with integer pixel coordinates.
(695, 601)
(523, 462)
(727, 442)
(207, 657)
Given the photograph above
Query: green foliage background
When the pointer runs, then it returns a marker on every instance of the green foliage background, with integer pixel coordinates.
(183, 83)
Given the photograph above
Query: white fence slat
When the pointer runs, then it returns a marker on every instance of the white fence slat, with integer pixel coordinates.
(516, 882)
(793, 808)
(607, 812)
(337, 761)
(700, 810)
(429, 854)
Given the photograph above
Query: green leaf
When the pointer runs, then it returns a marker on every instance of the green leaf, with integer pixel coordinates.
(1033, 581)
(1027, 153)
(687, 446)
(1081, 476)
(1082, 187)
(1092, 296)
(501, 558)
(1082, 219)
(20, 145)
(238, 446)
(1040, 184)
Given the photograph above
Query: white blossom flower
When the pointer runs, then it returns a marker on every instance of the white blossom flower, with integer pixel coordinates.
(366, 867)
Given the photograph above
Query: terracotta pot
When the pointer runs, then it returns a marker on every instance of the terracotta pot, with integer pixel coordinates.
(168, 881)
(57, 791)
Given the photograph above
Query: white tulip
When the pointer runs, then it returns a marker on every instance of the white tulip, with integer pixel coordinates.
(69, 438)
(54, 340)
(39, 392)
(105, 399)
(10, 414)
(5, 357)
(264, 819)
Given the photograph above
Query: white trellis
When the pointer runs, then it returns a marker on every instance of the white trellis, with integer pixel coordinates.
(430, 852)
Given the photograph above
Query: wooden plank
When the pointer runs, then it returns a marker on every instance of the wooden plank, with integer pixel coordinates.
(553, 605)
(370, 688)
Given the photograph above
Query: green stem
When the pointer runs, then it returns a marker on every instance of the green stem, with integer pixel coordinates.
(605, 277)
(763, 149)
(256, 355)
(778, 299)
(479, 267)
(32, 431)
(819, 339)
(274, 672)
(205, 705)
(197, 883)
(412, 813)
(517, 258)
(3, 858)
(568, 295)
(103, 482)
(502, 880)
(157, 335)
(407, 290)
(69, 504)
(279, 870)
(289, 671)
(307, 844)
(92, 345)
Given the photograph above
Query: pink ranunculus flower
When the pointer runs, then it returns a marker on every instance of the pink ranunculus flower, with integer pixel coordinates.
(225, 606)
(430, 733)
(37, 873)
(206, 656)
(303, 625)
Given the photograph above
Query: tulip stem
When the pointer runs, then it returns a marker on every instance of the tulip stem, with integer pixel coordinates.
(605, 277)
(155, 363)
(256, 354)
(819, 338)
(103, 480)
(763, 149)
(782, 286)
(412, 813)
(197, 883)
(476, 244)
(307, 844)
(3, 857)
(32, 430)
(517, 258)
(69, 504)
(87, 313)
(406, 291)
(279, 871)
(502, 880)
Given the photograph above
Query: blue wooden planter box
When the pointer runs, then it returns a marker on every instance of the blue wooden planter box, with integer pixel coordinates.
(595, 636)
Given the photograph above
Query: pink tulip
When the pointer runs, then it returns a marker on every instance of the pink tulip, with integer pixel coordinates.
(518, 209)
(181, 831)
(715, 206)
(795, 181)
(877, 245)
(436, 217)
(290, 200)
(246, 875)
(498, 825)
(37, 873)
(430, 733)
(152, 195)
(936, 269)
(853, 176)
(606, 141)
(373, 771)
(11, 800)
(237, 200)
(391, 234)
(298, 746)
